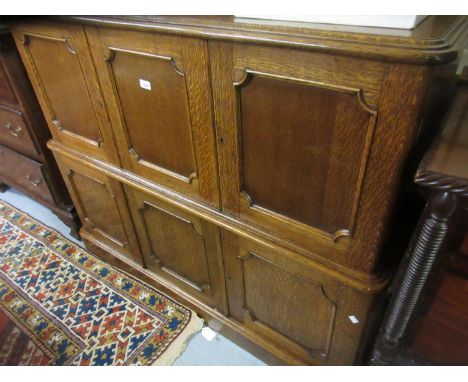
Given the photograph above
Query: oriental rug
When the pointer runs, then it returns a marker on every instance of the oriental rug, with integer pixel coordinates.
(61, 305)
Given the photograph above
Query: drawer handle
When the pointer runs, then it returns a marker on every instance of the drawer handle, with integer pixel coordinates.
(15, 131)
(34, 182)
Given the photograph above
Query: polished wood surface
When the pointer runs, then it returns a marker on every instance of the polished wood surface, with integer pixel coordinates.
(102, 207)
(433, 41)
(164, 132)
(57, 59)
(251, 176)
(26, 163)
(180, 247)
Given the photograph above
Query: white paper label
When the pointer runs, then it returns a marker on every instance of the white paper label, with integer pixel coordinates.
(353, 319)
(145, 84)
(208, 333)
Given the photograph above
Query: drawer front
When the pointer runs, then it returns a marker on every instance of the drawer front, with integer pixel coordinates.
(293, 306)
(180, 247)
(59, 65)
(102, 207)
(159, 103)
(295, 131)
(15, 134)
(24, 173)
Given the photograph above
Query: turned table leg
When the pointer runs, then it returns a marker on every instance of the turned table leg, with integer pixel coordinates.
(421, 259)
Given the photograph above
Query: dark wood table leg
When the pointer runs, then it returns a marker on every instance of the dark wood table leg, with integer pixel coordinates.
(421, 259)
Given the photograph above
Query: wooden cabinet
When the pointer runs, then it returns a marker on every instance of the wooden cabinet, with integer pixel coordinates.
(25, 162)
(259, 164)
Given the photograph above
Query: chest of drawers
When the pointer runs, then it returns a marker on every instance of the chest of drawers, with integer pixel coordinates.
(249, 170)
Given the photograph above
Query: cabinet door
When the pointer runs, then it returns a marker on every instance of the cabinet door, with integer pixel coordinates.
(101, 204)
(179, 247)
(60, 67)
(157, 88)
(294, 135)
(291, 305)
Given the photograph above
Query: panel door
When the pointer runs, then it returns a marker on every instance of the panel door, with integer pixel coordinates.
(179, 247)
(289, 303)
(294, 134)
(102, 207)
(159, 101)
(60, 67)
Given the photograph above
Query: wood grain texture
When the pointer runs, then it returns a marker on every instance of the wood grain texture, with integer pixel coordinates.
(56, 57)
(102, 207)
(179, 247)
(432, 41)
(174, 117)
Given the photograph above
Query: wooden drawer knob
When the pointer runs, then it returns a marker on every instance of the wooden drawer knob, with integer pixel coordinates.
(35, 182)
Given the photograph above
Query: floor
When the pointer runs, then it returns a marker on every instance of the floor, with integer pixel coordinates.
(219, 351)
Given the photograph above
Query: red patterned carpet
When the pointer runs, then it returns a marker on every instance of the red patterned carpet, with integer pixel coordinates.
(61, 305)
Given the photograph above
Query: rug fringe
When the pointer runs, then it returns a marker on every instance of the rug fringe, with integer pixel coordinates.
(180, 343)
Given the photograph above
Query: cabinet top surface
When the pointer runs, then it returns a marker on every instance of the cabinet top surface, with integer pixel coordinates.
(445, 165)
(434, 40)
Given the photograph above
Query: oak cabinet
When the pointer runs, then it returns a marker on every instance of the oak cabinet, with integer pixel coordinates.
(157, 91)
(249, 170)
(180, 247)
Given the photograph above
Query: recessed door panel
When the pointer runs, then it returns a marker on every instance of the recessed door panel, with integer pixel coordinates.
(59, 64)
(294, 132)
(294, 308)
(158, 95)
(153, 100)
(302, 146)
(59, 71)
(102, 207)
(179, 247)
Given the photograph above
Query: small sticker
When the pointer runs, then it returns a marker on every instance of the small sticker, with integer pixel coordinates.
(353, 319)
(208, 333)
(145, 84)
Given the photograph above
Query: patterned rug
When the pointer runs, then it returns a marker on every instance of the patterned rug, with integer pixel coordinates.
(61, 305)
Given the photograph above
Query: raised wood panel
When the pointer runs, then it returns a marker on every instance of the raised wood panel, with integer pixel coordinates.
(310, 170)
(304, 148)
(102, 207)
(158, 96)
(308, 320)
(58, 62)
(156, 117)
(295, 308)
(180, 247)
(99, 207)
(177, 246)
(63, 83)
